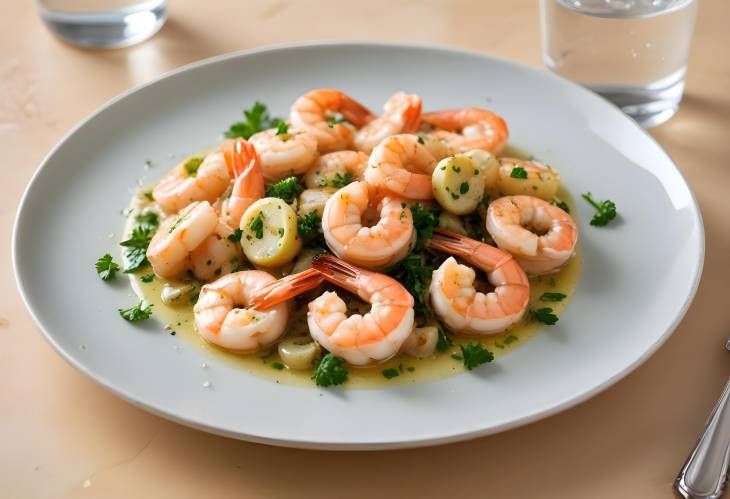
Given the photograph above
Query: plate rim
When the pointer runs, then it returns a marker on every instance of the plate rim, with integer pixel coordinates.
(413, 442)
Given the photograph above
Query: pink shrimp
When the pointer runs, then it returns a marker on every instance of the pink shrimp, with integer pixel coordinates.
(248, 186)
(402, 165)
(469, 128)
(401, 114)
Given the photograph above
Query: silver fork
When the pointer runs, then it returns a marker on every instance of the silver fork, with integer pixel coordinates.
(705, 471)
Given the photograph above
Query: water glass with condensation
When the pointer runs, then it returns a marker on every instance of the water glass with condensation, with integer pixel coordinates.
(103, 23)
(632, 52)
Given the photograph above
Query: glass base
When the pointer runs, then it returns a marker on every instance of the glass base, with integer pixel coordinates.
(649, 106)
(107, 29)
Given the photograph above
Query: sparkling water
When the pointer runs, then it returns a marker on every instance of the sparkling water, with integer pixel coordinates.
(633, 52)
(103, 23)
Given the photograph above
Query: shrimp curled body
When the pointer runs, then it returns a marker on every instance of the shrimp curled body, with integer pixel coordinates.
(286, 154)
(376, 247)
(541, 236)
(223, 315)
(401, 114)
(452, 293)
(402, 165)
(469, 128)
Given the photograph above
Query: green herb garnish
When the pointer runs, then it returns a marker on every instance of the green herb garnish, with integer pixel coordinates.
(552, 297)
(464, 187)
(286, 189)
(545, 315)
(191, 166)
(420, 140)
(390, 373)
(605, 210)
(341, 179)
(278, 365)
(136, 313)
(424, 221)
(330, 371)
(444, 342)
(415, 275)
(148, 219)
(148, 278)
(336, 119)
(510, 339)
(236, 236)
(256, 226)
(106, 267)
(148, 195)
(282, 128)
(474, 354)
(560, 204)
(308, 224)
(256, 119)
(518, 172)
(135, 248)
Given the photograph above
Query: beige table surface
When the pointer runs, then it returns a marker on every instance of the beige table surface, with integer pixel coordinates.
(61, 435)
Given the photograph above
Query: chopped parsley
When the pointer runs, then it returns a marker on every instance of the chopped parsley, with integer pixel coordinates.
(444, 342)
(256, 119)
(336, 119)
(474, 354)
(286, 189)
(552, 297)
(511, 338)
(236, 236)
(605, 210)
(560, 204)
(415, 275)
(424, 221)
(106, 267)
(282, 128)
(464, 187)
(390, 373)
(136, 313)
(278, 366)
(191, 166)
(420, 140)
(148, 195)
(330, 371)
(281, 231)
(545, 315)
(455, 195)
(308, 224)
(256, 226)
(518, 172)
(148, 219)
(341, 179)
(148, 278)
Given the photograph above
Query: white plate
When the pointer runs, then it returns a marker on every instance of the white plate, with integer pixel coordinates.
(639, 276)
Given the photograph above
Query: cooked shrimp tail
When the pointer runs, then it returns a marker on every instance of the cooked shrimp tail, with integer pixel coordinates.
(285, 289)
(249, 184)
(467, 249)
(339, 272)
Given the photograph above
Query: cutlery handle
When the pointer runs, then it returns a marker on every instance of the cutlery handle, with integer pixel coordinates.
(704, 473)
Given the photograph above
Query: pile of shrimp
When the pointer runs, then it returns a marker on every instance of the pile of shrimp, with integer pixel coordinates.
(385, 164)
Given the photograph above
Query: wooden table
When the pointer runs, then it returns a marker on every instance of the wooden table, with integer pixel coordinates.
(64, 436)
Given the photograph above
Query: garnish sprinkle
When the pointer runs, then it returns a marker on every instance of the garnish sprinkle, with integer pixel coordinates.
(518, 172)
(256, 119)
(424, 221)
(464, 187)
(605, 210)
(390, 373)
(341, 179)
(545, 315)
(282, 128)
(286, 189)
(191, 166)
(148, 278)
(136, 313)
(444, 342)
(474, 354)
(552, 297)
(560, 204)
(336, 119)
(256, 226)
(236, 236)
(307, 225)
(106, 267)
(330, 371)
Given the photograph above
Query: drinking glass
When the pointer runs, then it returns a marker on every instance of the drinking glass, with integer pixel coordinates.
(103, 23)
(632, 52)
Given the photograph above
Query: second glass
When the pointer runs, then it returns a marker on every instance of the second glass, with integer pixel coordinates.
(633, 52)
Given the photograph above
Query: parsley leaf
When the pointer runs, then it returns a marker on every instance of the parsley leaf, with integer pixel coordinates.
(282, 128)
(511, 338)
(191, 166)
(148, 278)
(605, 210)
(415, 275)
(236, 236)
(390, 373)
(341, 179)
(474, 354)
(330, 371)
(256, 119)
(518, 172)
(278, 365)
(136, 313)
(106, 267)
(464, 187)
(256, 226)
(148, 219)
(308, 224)
(336, 119)
(443, 342)
(420, 140)
(286, 189)
(424, 221)
(560, 204)
(135, 248)
(545, 315)
(552, 297)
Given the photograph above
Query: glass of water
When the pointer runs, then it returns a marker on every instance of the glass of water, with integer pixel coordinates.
(632, 52)
(103, 23)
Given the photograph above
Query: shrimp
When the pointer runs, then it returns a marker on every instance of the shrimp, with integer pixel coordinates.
(539, 235)
(284, 289)
(402, 165)
(469, 128)
(170, 247)
(248, 186)
(401, 114)
(223, 315)
(336, 169)
(216, 255)
(374, 247)
(316, 112)
(453, 297)
(193, 180)
(285, 154)
(366, 339)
